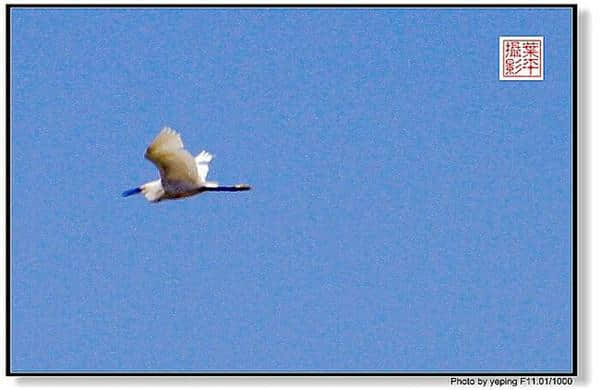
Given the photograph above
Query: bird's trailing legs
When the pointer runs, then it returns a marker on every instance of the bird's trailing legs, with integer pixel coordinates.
(235, 188)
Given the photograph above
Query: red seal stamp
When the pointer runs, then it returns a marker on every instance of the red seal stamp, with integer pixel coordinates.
(521, 58)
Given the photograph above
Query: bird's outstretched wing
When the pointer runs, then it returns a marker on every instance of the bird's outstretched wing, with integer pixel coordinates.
(167, 140)
(176, 165)
(202, 161)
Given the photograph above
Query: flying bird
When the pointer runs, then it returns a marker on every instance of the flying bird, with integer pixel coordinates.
(181, 174)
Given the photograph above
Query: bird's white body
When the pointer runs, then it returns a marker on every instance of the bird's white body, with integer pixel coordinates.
(181, 174)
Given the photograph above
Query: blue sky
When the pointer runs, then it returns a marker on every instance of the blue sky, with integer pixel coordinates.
(410, 212)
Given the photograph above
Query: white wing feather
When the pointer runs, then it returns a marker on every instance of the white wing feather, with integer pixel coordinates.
(176, 165)
(168, 140)
(202, 161)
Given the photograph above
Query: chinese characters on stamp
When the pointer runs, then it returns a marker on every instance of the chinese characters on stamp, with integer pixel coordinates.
(521, 58)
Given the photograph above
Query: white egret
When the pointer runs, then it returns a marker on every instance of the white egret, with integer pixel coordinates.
(181, 174)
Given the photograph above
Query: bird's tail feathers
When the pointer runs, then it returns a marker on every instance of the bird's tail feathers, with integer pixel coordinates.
(211, 184)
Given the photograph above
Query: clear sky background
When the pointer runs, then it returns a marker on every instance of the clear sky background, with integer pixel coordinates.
(409, 211)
